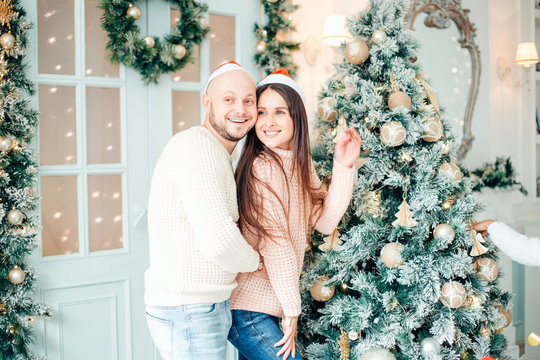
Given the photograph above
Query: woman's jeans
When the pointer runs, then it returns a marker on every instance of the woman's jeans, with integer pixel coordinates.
(189, 332)
(254, 335)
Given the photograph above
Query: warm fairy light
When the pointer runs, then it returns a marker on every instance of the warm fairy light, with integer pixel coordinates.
(117, 218)
(116, 195)
(52, 40)
(53, 90)
(95, 194)
(57, 215)
(98, 220)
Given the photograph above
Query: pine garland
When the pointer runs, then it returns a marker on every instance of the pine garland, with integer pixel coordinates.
(396, 301)
(498, 175)
(150, 55)
(18, 176)
(274, 49)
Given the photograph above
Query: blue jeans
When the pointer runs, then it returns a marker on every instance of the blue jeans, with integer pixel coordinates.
(254, 335)
(189, 332)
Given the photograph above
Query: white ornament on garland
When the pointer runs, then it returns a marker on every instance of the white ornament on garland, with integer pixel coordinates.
(16, 275)
(478, 249)
(179, 51)
(393, 134)
(354, 335)
(15, 217)
(134, 12)
(260, 47)
(7, 41)
(331, 242)
(326, 109)
(404, 216)
(149, 41)
(391, 255)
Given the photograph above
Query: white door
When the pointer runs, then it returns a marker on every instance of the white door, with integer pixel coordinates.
(101, 131)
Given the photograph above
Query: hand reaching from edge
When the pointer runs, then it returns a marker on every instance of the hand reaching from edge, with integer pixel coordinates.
(483, 226)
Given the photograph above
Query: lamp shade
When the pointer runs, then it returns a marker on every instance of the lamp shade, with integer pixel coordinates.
(334, 32)
(526, 54)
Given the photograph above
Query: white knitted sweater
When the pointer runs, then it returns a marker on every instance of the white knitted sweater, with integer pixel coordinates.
(516, 246)
(196, 249)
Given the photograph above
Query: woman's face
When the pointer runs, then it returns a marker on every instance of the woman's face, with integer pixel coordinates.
(274, 126)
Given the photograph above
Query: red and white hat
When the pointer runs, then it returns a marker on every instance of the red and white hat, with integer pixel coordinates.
(224, 68)
(281, 76)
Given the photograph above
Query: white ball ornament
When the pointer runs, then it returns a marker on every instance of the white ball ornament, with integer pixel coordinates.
(356, 51)
(260, 47)
(433, 129)
(453, 294)
(451, 170)
(134, 12)
(326, 109)
(15, 217)
(353, 335)
(393, 133)
(321, 292)
(203, 22)
(179, 51)
(444, 231)
(430, 347)
(6, 144)
(398, 99)
(16, 275)
(391, 255)
(379, 36)
(7, 41)
(149, 40)
(487, 269)
(378, 354)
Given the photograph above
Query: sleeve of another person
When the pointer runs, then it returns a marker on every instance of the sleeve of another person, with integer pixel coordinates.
(516, 246)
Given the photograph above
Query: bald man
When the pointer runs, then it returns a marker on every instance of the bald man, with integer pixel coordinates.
(196, 249)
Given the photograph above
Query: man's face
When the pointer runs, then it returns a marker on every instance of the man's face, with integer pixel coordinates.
(231, 105)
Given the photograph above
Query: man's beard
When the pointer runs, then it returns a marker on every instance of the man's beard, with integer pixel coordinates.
(221, 129)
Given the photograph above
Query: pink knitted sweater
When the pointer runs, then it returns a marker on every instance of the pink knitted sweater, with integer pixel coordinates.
(275, 289)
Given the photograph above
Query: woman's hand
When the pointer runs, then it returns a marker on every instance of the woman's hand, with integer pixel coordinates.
(289, 325)
(348, 148)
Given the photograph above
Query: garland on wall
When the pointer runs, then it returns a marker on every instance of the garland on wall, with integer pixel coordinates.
(499, 175)
(274, 47)
(152, 56)
(18, 199)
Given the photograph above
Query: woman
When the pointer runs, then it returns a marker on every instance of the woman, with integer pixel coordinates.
(280, 197)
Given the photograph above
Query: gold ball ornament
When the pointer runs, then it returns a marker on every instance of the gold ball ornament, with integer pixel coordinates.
(534, 339)
(16, 275)
(326, 109)
(203, 22)
(356, 52)
(453, 294)
(260, 47)
(149, 40)
(393, 133)
(451, 170)
(485, 332)
(378, 354)
(391, 255)
(6, 144)
(399, 98)
(433, 130)
(134, 12)
(444, 231)
(507, 316)
(379, 36)
(473, 301)
(487, 269)
(15, 217)
(321, 292)
(179, 51)
(281, 36)
(7, 41)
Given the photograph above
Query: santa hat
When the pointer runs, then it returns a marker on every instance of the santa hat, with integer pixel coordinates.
(281, 76)
(224, 68)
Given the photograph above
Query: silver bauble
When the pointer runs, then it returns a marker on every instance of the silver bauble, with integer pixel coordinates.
(134, 12)
(7, 41)
(15, 217)
(429, 347)
(378, 36)
(444, 231)
(353, 335)
(6, 144)
(378, 354)
(260, 47)
(16, 275)
(149, 40)
(179, 51)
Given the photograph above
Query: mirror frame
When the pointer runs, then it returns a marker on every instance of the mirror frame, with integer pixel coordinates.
(440, 13)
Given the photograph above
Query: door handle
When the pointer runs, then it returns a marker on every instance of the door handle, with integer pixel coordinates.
(140, 212)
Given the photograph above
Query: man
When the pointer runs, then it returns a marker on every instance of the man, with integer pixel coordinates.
(196, 249)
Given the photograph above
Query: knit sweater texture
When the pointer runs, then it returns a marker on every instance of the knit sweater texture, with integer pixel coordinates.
(196, 248)
(518, 247)
(275, 291)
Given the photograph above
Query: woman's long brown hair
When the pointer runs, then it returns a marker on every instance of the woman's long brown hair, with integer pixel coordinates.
(250, 204)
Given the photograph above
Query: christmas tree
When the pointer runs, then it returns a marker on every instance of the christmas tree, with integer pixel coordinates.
(18, 175)
(404, 276)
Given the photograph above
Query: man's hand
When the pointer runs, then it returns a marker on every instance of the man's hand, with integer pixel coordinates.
(483, 226)
(289, 325)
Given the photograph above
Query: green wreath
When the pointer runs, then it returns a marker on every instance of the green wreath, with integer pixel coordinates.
(150, 55)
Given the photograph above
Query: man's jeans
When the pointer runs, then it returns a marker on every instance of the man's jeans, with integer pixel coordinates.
(195, 331)
(254, 335)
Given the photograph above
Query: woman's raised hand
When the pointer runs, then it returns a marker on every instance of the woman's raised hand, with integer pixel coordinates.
(348, 148)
